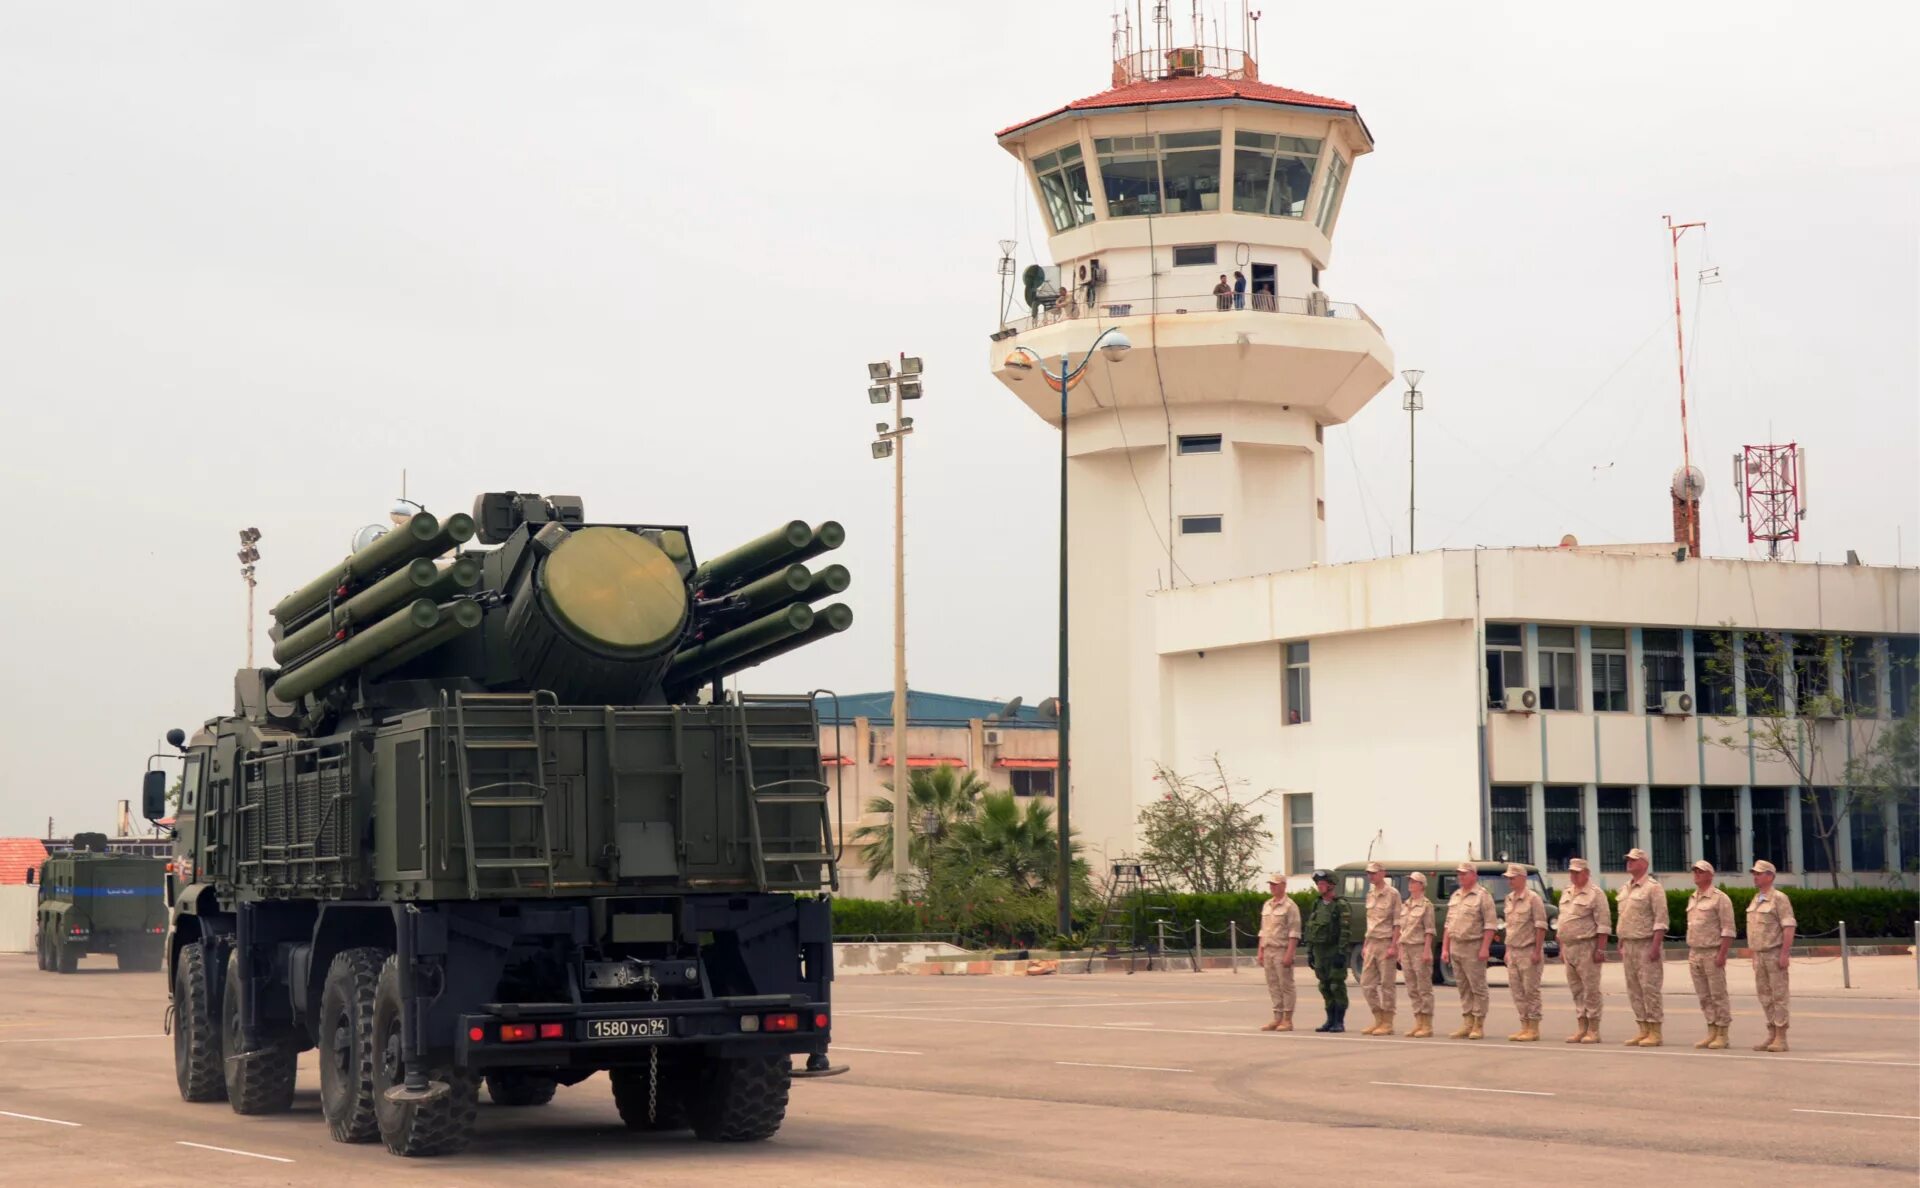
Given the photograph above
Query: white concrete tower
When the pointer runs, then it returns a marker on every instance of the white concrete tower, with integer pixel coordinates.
(1197, 457)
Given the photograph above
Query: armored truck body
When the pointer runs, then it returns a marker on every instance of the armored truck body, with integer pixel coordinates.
(91, 901)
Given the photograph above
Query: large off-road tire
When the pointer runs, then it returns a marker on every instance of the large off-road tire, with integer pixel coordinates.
(63, 957)
(261, 1082)
(40, 949)
(740, 1101)
(140, 958)
(439, 1126)
(196, 1033)
(520, 1088)
(630, 1097)
(347, 1054)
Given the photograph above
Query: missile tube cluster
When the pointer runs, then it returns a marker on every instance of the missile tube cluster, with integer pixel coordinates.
(767, 582)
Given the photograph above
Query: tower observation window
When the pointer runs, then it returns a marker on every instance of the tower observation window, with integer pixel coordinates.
(1272, 174)
(1330, 194)
(1172, 173)
(1063, 182)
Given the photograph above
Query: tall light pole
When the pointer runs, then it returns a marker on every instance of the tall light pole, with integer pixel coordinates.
(883, 385)
(1114, 345)
(249, 554)
(1413, 402)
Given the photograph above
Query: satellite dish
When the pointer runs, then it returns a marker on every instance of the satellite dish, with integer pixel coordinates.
(1049, 708)
(1010, 710)
(1689, 484)
(367, 536)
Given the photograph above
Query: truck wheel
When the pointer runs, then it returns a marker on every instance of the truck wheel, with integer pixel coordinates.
(65, 959)
(1356, 961)
(439, 1126)
(196, 1038)
(520, 1089)
(260, 1081)
(630, 1098)
(40, 949)
(740, 1101)
(346, 1044)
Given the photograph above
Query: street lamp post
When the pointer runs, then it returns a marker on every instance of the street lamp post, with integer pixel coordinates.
(249, 554)
(1114, 345)
(884, 386)
(1413, 402)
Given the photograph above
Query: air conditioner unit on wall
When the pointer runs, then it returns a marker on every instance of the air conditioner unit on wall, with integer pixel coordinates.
(992, 738)
(1678, 703)
(1520, 701)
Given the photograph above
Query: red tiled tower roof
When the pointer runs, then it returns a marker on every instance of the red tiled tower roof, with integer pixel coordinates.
(18, 855)
(1202, 89)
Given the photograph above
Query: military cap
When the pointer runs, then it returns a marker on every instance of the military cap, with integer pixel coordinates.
(1577, 864)
(1516, 871)
(1762, 866)
(1375, 867)
(1703, 864)
(1639, 853)
(1466, 868)
(1323, 876)
(1418, 876)
(1277, 876)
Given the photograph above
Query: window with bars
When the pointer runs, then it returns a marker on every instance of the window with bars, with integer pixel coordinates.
(1720, 827)
(1667, 821)
(1868, 827)
(1609, 649)
(1713, 674)
(1860, 669)
(1618, 831)
(1819, 837)
(1037, 782)
(1300, 831)
(1559, 669)
(1565, 831)
(1813, 674)
(1506, 662)
(1512, 830)
(1770, 827)
(1903, 673)
(1663, 664)
(1766, 696)
(1907, 817)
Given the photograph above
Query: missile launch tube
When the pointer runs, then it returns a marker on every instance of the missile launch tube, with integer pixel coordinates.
(776, 590)
(456, 618)
(834, 579)
(827, 536)
(827, 622)
(397, 629)
(419, 578)
(763, 632)
(423, 535)
(781, 546)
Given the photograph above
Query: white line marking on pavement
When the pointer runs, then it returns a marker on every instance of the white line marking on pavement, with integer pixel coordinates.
(231, 1151)
(877, 1051)
(1459, 1088)
(1853, 1114)
(1437, 1045)
(79, 1039)
(891, 1012)
(1129, 1067)
(35, 1118)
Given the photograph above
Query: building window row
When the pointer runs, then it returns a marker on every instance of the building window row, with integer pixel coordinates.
(1769, 674)
(1181, 172)
(1860, 838)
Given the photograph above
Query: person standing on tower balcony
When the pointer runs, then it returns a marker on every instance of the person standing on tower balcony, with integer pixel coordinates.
(1239, 289)
(1223, 294)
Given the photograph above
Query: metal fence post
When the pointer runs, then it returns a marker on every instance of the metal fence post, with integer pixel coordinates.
(1233, 943)
(1846, 971)
(1160, 931)
(1916, 954)
(1199, 949)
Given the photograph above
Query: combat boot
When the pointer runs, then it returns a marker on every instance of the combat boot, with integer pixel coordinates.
(1422, 1027)
(1580, 1036)
(1271, 1025)
(1779, 1043)
(1533, 1031)
(1372, 1028)
(1386, 1025)
(1519, 1035)
(1327, 1024)
(1286, 1021)
(1653, 1039)
(1635, 1041)
(1478, 1030)
(1465, 1029)
(1766, 1045)
(1719, 1039)
(1593, 1031)
(1339, 1019)
(1713, 1032)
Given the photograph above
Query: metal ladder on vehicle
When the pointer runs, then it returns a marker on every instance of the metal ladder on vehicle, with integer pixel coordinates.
(767, 734)
(506, 797)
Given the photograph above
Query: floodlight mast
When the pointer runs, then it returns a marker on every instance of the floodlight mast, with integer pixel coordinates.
(893, 442)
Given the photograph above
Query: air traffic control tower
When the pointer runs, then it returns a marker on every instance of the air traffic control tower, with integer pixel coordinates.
(1197, 456)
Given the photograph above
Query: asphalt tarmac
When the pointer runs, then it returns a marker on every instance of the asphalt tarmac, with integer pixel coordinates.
(1152, 1078)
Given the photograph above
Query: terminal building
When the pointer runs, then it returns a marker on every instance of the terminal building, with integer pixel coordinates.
(1489, 703)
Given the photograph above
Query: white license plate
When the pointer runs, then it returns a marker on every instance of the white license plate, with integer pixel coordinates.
(625, 1029)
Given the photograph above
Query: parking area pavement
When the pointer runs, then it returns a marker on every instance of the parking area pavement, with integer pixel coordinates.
(1156, 1077)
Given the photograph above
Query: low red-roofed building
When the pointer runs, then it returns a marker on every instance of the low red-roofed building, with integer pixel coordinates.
(18, 855)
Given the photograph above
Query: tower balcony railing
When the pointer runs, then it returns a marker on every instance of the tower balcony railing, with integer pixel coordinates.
(1187, 61)
(1072, 307)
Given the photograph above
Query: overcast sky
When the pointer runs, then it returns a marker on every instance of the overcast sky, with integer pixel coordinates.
(257, 259)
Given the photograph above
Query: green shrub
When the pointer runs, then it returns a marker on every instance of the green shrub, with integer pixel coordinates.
(856, 918)
(1869, 911)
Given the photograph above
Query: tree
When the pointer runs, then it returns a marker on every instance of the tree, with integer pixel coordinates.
(995, 874)
(1804, 694)
(950, 794)
(1202, 833)
(1889, 768)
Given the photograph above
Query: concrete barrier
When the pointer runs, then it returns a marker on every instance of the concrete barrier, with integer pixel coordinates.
(855, 958)
(16, 917)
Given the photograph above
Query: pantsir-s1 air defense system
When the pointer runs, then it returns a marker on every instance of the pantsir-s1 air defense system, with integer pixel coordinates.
(493, 819)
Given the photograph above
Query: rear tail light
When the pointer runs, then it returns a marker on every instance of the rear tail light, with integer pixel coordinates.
(516, 1033)
(820, 1022)
(782, 1022)
(553, 1031)
(476, 1034)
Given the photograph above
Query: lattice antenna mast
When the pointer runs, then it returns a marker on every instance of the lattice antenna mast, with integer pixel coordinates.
(1770, 480)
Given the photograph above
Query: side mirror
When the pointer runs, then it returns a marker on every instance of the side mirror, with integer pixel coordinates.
(153, 795)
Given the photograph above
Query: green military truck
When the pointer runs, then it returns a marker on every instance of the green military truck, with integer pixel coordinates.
(1442, 882)
(494, 820)
(95, 902)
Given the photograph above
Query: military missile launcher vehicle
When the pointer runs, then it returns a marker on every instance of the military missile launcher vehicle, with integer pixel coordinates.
(91, 901)
(494, 820)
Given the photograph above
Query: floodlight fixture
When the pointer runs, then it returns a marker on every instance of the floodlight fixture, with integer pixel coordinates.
(878, 395)
(879, 371)
(883, 449)
(909, 389)
(910, 365)
(906, 423)
(880, 427)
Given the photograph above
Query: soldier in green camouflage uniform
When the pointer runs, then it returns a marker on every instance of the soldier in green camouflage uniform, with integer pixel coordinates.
(1327, 949)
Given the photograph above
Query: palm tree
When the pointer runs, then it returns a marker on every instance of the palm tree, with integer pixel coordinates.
(1005, 840)
(950, 794)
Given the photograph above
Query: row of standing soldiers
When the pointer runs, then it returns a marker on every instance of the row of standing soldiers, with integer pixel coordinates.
(1400, 932)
